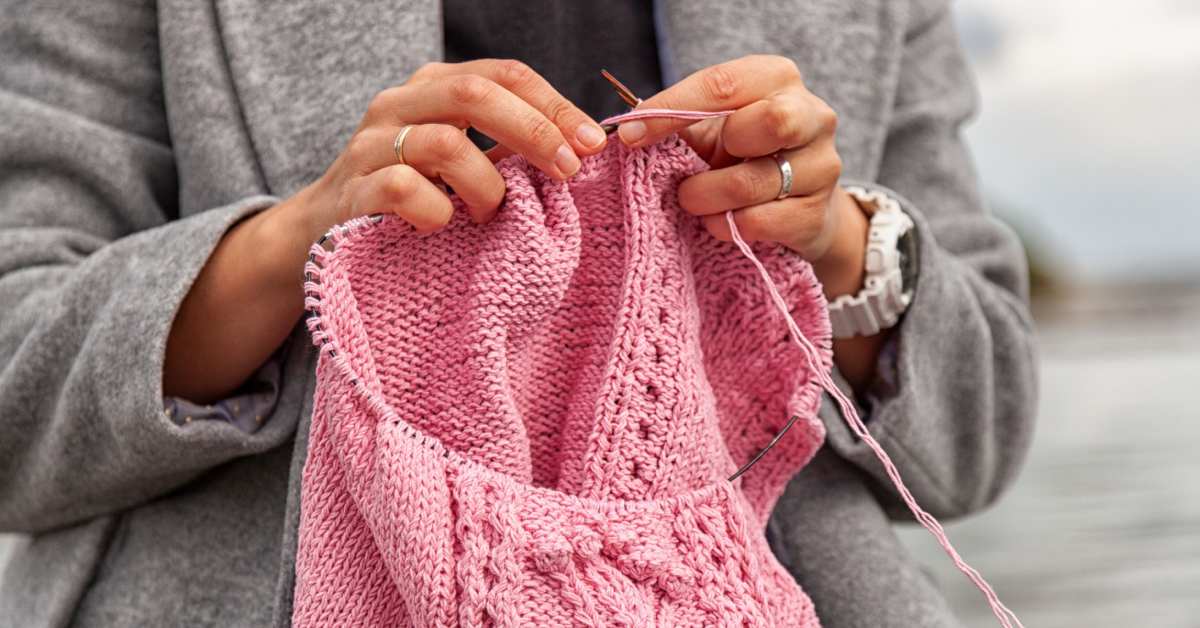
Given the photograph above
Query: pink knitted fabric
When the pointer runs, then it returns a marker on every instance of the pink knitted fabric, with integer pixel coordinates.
(531, 422)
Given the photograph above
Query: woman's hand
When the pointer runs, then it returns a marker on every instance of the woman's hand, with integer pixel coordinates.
(773, 113)
(503, 99)
(248, 296)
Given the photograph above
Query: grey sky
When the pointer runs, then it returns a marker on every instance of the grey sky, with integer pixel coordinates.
(1089, 137)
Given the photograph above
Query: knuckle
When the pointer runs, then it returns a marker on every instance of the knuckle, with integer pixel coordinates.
(560, 111)
(720, 83)
(431, 68)
(785, 65)
(827, 117)
(835, 166)
(382, 102)
(512, 73)
(541, 133)
(447, 143)
(358, 149)
(401, 182)
(470, 89)
(745, 184)
(780, 121)
(831, 169)
(753, 223)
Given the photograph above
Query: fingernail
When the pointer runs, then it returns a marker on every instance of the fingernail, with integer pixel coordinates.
(589, 135)
(566, 161)
(632, 132)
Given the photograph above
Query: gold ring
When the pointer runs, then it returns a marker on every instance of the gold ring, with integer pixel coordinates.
(398, 144)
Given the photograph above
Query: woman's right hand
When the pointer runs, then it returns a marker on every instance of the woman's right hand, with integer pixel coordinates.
(504, 99)
(248, 296)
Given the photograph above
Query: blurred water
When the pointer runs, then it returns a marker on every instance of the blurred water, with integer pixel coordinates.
(1103, 527)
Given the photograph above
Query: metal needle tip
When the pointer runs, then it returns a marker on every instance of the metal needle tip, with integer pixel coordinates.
(622, 91)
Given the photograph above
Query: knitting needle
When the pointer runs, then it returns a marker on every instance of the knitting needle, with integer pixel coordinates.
(759, 455)
(625, 93)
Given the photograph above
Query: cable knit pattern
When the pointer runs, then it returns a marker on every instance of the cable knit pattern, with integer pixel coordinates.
(531, 422)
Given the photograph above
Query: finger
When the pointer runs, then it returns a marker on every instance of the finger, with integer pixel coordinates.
(790, 220)
(440, 151)
(487, 106)
(730, 85)
(402, 191)
(784, 120)
(580, 130)
(815, 167)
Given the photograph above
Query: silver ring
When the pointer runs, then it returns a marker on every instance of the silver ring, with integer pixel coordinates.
(785, 174)
(398, 144)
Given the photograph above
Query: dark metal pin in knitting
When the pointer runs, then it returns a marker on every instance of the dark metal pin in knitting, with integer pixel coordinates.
(624, 92)
(746, 467)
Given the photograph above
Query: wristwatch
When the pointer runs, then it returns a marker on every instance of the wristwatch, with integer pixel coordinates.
(890, 270)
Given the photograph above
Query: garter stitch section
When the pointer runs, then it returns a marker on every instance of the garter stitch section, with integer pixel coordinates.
(531, 422)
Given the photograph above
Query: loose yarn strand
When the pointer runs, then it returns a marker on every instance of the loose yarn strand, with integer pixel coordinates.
(1007, 617)
(649, 112)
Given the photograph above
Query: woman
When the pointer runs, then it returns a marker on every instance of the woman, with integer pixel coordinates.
(165, 168)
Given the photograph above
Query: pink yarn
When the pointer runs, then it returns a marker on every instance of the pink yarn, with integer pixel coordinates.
(1006, 617)
(530, 422)
(651, 112)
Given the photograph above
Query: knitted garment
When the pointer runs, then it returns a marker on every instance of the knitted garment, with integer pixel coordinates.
(532, 422)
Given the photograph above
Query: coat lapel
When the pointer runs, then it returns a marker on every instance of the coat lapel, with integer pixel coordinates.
(305, 71)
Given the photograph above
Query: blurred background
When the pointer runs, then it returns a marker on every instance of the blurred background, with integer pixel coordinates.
(1088, 144)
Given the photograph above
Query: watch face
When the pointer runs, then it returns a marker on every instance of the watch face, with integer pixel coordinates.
(907, 247)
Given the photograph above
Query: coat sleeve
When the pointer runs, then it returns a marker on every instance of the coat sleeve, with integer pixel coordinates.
(93, 267)
(954, 398)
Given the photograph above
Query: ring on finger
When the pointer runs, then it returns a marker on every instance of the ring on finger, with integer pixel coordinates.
(398, 143)
(785, 176)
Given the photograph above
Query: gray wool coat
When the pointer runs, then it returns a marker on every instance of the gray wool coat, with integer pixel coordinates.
(134, 133)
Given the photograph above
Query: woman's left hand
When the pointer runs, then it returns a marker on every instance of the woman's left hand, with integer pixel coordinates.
(773, 113)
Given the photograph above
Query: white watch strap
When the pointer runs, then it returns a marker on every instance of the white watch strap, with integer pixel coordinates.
(876, 307)
(883, 299)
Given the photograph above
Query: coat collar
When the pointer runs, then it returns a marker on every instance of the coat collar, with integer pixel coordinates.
(304, 70)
